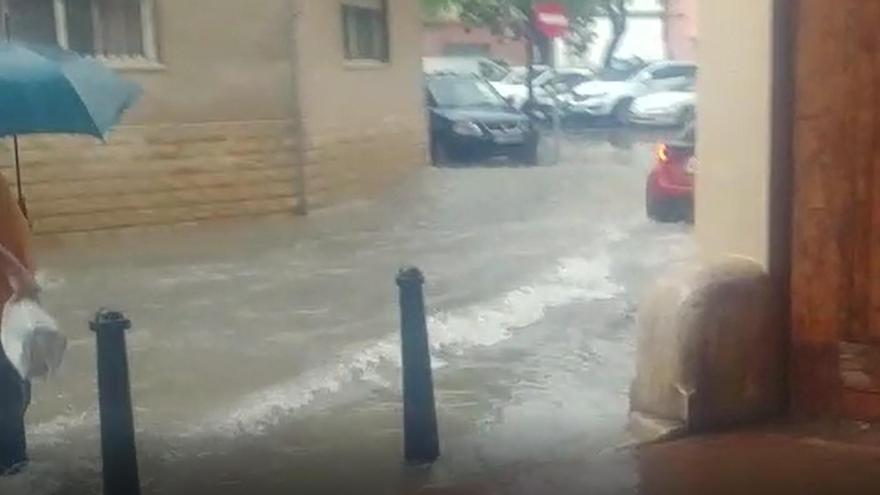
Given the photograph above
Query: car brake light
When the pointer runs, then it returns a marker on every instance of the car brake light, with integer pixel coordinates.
(663, 154)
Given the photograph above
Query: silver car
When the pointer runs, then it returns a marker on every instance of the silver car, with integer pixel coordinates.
(667, 108)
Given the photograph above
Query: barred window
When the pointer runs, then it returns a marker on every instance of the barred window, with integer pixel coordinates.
(365, 30)
(111, 29)
(31, 21)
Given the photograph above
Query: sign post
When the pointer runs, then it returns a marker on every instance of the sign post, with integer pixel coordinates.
(551, 20)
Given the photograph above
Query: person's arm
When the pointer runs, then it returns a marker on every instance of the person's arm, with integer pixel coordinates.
(24, 284)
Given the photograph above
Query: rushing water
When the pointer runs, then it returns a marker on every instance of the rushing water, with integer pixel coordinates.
(265, 354)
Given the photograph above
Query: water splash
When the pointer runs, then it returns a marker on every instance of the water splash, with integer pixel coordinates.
(453, 333)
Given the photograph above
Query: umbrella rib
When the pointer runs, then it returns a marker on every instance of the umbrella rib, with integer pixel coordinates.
(94, 131)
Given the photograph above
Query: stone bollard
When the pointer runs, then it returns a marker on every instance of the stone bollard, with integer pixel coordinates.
(421, 440)
(710, 352)
(118, 452)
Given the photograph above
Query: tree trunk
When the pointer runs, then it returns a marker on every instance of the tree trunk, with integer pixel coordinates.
(666, 19)
(617, 14)
(545, 49)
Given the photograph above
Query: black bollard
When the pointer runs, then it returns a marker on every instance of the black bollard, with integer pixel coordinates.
(421, 440)
(114, 396)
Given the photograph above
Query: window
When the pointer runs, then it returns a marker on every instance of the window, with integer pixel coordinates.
(105, 27)
(110, 29)
(32, 21)
(674, 71)
(491, 71)
(365, 30)
(464, 92)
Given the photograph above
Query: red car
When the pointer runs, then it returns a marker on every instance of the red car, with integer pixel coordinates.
(669, 192)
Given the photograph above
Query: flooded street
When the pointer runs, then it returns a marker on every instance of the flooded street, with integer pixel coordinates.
(265, 353)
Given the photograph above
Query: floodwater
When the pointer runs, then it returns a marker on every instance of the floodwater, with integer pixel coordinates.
(265, 353)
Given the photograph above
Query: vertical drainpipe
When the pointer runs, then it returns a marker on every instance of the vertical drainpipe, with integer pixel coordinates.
(296, 110)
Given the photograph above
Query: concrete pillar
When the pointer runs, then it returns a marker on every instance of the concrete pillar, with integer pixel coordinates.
(735, 87)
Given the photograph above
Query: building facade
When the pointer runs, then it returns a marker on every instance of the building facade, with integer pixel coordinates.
(248, 108)
(450, 38)
(681, 29)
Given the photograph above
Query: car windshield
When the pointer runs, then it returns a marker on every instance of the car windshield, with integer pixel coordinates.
(640, 75)
(516, 76)
(461, 92)
(544, 78)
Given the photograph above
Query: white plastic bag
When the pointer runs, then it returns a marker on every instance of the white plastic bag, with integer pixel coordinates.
(31, 339)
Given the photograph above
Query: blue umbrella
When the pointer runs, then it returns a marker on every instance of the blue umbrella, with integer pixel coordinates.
(49, 90)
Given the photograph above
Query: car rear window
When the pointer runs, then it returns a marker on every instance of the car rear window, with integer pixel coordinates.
(688, 136)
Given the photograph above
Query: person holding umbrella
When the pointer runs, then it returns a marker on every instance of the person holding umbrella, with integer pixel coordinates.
(43, 90)
(16, 281)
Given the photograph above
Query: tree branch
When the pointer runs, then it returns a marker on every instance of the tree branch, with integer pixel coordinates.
(618, 14)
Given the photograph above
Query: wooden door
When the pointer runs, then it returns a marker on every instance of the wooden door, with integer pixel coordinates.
(835, 354)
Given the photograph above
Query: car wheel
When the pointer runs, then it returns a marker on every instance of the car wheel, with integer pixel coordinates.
(686, 210)
(659, 210)
(621, 111)
(528, 154)
(439, 153)
(670, 210)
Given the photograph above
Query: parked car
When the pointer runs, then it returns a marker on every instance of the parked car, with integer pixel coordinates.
(469, 120)
(621, 69)
(519, 74)
(477, 66)
(669, 192)
(614, 98)
(667, 108)
(565, 79)
(549, 85)
(517, 94)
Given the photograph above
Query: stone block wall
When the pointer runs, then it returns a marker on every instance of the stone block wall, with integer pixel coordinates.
(158, 175)
(148, 175)
(347, 166)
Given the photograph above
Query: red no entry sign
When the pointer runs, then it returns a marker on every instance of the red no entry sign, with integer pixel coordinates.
(551, 18)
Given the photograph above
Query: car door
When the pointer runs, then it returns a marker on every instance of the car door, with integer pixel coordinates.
(564, 83)
(644, 82)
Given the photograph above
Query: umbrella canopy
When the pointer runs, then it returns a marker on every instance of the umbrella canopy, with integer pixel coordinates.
(49, 90)
(46, 90)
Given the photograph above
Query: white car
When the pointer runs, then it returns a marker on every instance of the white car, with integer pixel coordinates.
(477, 66)
(558, 80)
(519, 73)
(667, 108)
(614, 98)
(565, 79)
(518, 94)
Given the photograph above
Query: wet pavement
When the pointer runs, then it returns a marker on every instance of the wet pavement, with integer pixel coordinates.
(265, 356)
(768, 461)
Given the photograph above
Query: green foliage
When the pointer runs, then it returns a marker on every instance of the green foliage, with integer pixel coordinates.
(510, 17)
(495, 12)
